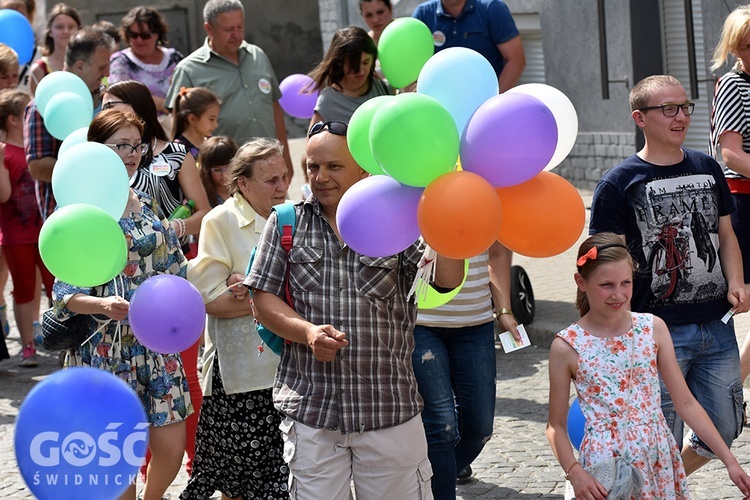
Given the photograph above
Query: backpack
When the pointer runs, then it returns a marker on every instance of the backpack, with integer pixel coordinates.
(286, 219)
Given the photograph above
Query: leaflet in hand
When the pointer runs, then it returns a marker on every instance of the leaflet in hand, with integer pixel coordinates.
(510, 344)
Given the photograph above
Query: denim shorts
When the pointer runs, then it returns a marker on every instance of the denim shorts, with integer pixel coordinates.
(709, 359)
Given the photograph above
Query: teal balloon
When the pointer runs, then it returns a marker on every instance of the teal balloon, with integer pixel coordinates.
(460, 79)
(404, 47)
(75, 137)
(358, 134)
(94, 174)
(67, 112)
(17, 33)
(58, 82)
(414, 139)
(82, 245)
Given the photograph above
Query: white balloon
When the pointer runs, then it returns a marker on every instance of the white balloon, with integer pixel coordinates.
(564, 113)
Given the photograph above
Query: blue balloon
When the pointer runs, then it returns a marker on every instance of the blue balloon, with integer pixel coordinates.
(460, 79)
(80, 433)
(91, 173)
(58, 82)
(16, 33)
(65, 113)
(576, 424)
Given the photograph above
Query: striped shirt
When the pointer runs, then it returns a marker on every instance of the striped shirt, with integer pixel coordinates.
(371, 384)
(166, 189)
(471, 306)
(731, 113)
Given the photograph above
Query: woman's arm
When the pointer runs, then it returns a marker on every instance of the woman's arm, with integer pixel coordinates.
(500, 259)
(734, 156)
(192, 188)
(690, 410)
(114, 307)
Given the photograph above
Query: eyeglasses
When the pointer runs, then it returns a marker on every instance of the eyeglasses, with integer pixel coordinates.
(670, 109)
(112, 104)
(337, 128)
(126, 149)
(145, 35)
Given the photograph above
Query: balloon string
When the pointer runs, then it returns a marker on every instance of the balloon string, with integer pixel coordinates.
(425, 275)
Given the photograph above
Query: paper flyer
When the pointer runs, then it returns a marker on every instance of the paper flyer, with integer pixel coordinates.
(510, 344)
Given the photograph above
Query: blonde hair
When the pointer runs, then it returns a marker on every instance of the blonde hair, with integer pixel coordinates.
(736, 26)
(8, 59)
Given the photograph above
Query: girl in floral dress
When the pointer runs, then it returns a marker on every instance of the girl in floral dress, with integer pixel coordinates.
(614, 358)
(153, 249)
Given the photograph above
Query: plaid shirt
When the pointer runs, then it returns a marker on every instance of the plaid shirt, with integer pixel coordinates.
(371, 384)
(39, 144)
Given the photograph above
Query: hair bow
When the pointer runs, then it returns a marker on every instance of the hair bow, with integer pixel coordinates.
(184, 91)
(591, 254)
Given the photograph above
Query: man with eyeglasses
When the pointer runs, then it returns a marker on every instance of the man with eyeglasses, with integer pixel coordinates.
(239, 73)
(86, 56)
(672, 207)
(345, 382)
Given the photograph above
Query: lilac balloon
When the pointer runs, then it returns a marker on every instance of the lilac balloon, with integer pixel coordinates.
(509, 139)
(377, 216)
(167, 313)
(297, 97)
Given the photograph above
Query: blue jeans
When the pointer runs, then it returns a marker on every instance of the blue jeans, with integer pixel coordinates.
(455, 369)
(709, 360)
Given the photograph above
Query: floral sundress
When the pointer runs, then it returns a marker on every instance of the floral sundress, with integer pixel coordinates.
(622, 407)
(158, 379)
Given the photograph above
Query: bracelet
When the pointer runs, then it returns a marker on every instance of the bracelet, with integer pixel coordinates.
(567, 472)
(501, 311)
(181, 226)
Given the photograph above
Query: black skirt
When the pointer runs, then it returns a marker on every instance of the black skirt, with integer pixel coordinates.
(238, 448)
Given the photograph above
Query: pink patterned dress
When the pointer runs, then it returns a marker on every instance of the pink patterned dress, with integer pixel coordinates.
(622, 407)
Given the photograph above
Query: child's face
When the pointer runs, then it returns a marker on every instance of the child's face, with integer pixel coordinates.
(9, 80)
(609, 287)
(206, 123)
(219, 174)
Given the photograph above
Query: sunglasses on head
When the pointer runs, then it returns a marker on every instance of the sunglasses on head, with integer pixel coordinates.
(337, 128)
(145, 35)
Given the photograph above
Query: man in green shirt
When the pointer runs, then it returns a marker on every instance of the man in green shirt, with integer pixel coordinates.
(239, 73)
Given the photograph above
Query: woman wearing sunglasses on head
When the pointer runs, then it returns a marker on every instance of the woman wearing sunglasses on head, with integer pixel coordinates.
(146, 60)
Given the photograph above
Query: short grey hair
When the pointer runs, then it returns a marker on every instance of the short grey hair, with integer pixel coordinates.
(215, 7)
(243, 162)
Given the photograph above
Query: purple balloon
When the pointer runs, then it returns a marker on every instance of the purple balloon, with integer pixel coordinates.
(297, 95)
(509, 139)
(377, 216)
(167, 313)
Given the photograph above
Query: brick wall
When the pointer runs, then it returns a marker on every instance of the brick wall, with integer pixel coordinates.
(593, 155)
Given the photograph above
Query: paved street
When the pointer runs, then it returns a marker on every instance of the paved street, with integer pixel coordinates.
(517, 462)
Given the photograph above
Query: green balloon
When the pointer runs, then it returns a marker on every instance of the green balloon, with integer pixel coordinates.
(358, 134)
(404, 47)
(414, 139)
(82, 245)
(432, 298)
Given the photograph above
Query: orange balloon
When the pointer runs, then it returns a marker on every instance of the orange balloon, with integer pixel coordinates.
(459, 215)
(541, 217)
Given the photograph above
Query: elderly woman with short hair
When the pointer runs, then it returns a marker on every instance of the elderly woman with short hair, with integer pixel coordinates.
(239, 445)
